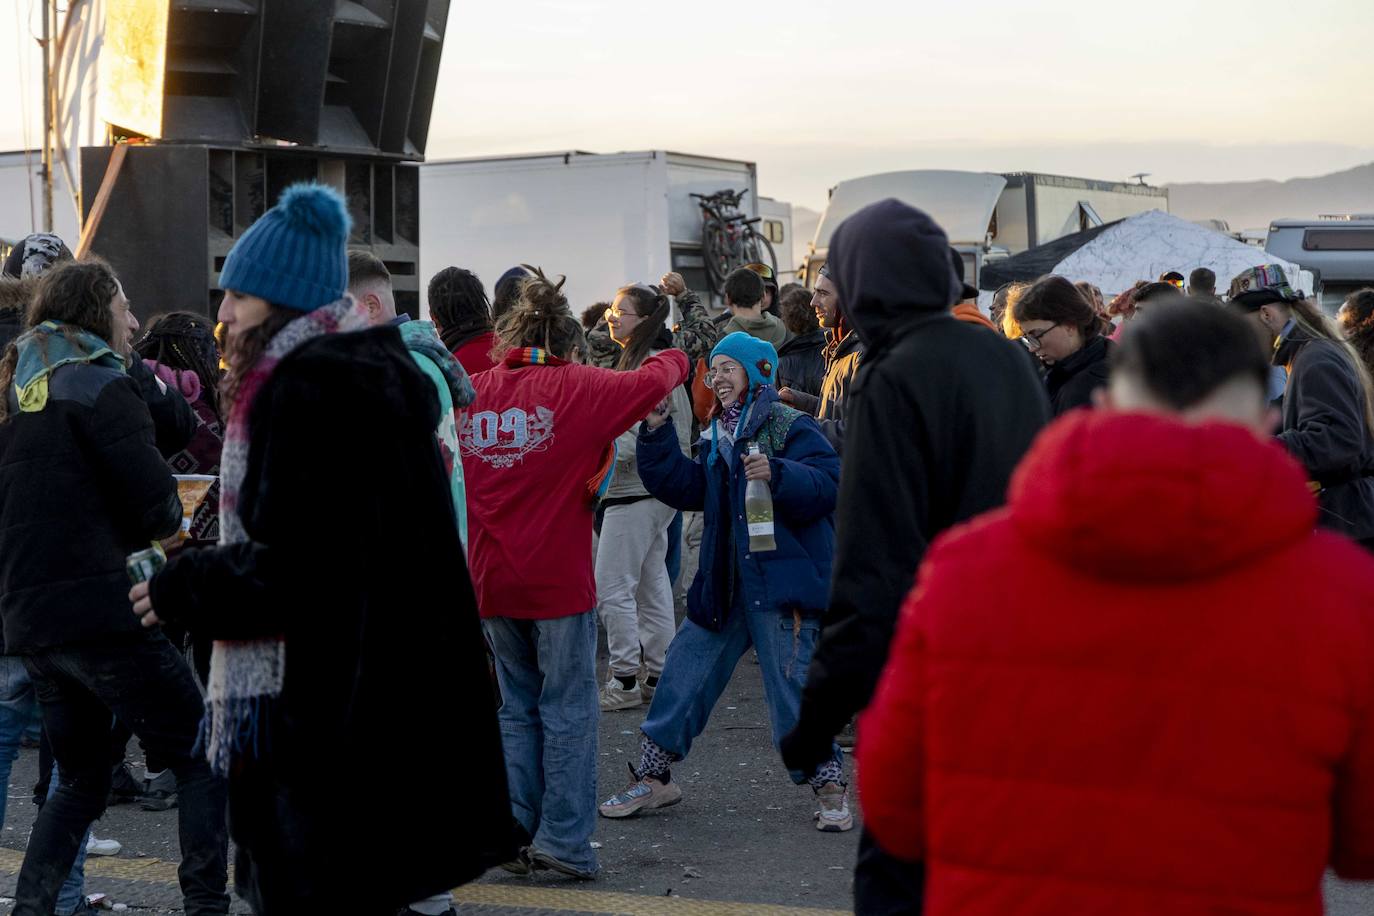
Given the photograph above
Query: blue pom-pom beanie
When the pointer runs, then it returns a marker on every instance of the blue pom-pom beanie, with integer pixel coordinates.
(296, 254)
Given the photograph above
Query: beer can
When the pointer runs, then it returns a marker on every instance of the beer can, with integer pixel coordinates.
(144, 564)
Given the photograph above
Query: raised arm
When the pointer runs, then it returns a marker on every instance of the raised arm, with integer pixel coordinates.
(669, 475)
(627, 397)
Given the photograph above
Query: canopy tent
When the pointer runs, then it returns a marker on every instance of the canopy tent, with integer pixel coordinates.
(1141, 247)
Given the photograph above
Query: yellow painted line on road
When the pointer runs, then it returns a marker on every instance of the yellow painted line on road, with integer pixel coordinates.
(156, 871)
(554, 898)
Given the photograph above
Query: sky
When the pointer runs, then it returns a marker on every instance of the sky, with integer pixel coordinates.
(817, 91)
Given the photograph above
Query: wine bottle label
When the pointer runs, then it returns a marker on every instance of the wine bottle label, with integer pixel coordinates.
(760, 528)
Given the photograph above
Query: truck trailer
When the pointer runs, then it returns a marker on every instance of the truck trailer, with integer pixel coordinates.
(603, 220)
(988, 215)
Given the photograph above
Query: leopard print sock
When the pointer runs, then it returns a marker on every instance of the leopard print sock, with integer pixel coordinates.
(830, 771)
(654, 760)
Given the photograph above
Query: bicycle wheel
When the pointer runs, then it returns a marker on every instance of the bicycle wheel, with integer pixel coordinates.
(715, 251)
(759, 250)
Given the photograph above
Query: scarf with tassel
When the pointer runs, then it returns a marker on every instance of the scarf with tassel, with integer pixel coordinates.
(246, 676)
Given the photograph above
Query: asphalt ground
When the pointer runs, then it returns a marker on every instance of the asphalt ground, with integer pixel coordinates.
(742, 840)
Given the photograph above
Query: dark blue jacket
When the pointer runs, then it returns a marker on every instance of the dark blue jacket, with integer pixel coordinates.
(806, 474)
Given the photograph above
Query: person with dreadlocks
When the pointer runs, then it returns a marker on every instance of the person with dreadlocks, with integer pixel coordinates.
(460, 311)
(768, 599)
(335, 510)
(844, 353)
(538, 451)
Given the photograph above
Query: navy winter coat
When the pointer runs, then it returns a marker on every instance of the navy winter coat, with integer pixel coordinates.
(806, 474)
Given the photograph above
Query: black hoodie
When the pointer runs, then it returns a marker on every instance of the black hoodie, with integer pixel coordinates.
(939, 415)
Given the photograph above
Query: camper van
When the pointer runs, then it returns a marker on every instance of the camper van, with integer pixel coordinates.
(987, 215)
(1338, 250)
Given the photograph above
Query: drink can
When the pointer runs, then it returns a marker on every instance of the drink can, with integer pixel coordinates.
(144, 564)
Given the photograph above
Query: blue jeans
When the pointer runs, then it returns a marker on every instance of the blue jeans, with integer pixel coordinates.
(17, 705)
(701, 662)
(549, 711)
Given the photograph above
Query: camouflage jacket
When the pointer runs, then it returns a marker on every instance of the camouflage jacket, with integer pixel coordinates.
(696, 334)
(602, 352)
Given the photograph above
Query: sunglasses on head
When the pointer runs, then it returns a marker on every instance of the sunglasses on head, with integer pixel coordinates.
(763, 270)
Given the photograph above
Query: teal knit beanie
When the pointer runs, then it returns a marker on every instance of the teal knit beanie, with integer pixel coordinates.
(758, 357)
(296, 254)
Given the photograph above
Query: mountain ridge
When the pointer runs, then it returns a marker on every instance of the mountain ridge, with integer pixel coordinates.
(1255, 204)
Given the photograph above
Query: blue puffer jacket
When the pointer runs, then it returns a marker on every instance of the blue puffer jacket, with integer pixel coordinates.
(806, 473)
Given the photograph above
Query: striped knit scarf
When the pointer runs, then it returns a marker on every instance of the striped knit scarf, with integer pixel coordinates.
(247, 676)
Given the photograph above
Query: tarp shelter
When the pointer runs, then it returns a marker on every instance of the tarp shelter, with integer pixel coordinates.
(1142, 247)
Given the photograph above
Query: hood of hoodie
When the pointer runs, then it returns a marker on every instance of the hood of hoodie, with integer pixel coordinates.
(765, 327)
(421, 337)
(42, 350)
(890, 262)
(1146, 498)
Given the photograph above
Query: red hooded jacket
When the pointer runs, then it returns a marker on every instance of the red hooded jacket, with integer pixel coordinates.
(532, 441)
(1145, 686)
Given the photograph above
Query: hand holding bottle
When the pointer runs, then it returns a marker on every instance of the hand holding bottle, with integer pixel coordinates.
(756, 467)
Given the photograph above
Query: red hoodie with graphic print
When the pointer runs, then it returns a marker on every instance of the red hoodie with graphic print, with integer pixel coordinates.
(536, 436)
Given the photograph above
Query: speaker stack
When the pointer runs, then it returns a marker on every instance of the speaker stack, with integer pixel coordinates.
(238, 99)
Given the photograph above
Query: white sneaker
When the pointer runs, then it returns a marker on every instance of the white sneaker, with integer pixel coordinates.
(99, 847)
(834, 816)
(615, 697)
(647, 692)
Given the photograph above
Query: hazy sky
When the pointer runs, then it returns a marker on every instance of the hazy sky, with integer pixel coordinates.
(816, 92)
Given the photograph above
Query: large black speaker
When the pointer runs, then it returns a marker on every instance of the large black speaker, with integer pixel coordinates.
(176, 210)
(352, 76)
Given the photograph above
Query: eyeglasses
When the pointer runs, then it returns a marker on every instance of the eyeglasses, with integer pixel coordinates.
(763, 270)
(713, 373)
(1033, 338)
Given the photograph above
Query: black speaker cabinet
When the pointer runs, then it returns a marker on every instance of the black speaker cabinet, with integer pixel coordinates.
(353, 76)
(177, 209)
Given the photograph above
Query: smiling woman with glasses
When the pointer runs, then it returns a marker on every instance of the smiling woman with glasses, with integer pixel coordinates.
(633, 590)
(1061, 327)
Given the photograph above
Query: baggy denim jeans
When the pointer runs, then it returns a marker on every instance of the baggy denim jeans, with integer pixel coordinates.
(549, 711)
(701, 663)
(18, 703)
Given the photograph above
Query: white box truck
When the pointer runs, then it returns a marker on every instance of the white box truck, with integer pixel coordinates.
(987, 215)
(603, 220)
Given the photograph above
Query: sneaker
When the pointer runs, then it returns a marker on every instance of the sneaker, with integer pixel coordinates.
(99, 847)
(124, 789)
(834, 816)
(647, 691)
(520, 865)
(159, 793)
(845, 739)
(541, 859)
(614, 696)
(641, 794)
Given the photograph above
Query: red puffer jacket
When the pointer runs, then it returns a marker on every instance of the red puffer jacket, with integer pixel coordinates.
(1146, 686)
(531, 443)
